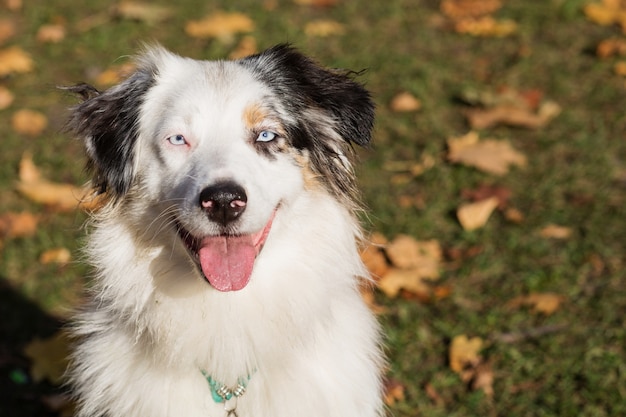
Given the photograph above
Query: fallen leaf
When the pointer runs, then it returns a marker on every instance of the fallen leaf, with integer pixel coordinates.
(115, 74)
(405, 102)
(55, 256)
(14, 225)
(29, 122)
(434, 396)
(553, 231)
(483, 379)
(393, 392)
(60, 196)
(48, 357)
(246, 47)
(473, 216)
(7, 29)
(220, 25)
(6, 97)
(14, 60)
(51, 33)
(514, 215)
(546, 303)
(410, 280)
(464, 353)
(462, 9)
(611, 47)
(144, 12)
(488, 155)
(412, 168)
(512, 116)
(405, 252)
(606, 13)
(620, 68)
(13, 5)
(324, 28)
(484, 192)
(486, 26)
(373, 257)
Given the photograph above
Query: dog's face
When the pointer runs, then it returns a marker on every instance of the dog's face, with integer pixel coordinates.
(218, 147)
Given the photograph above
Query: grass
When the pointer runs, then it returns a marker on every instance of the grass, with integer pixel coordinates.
(576, 177)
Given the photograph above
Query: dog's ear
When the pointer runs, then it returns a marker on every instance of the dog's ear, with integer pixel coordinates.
(308, 85)
(108, 123)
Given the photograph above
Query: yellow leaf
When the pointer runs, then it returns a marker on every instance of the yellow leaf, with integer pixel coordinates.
(51, 33)
(220, 25)
(14, 60)
(324, 28)
(29, 122)
(489, 155)
(7, 29)
(410, 280)
(373, 257)
(460, 9)
(473, 216)
(48, 357)
(486, 26)
(545, 303)
(553, 231)
(115, 74)
(145, 12)
(6, 97)
(56, 256)
(464, 353)
(246, 47)
(422, 257)
(18, 225)
(405, 102)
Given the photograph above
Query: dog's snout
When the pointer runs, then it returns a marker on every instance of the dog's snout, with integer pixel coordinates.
(223, 202)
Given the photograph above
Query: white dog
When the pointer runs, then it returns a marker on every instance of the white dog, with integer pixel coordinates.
(227, 270)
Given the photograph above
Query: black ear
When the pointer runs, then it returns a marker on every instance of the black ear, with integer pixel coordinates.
(306, 84)
(108, 123)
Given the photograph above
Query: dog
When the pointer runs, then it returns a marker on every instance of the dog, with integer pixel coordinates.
(226, 267)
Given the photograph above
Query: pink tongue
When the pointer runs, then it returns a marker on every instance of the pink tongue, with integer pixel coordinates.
(227, 261)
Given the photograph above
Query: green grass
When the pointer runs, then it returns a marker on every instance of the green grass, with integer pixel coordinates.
(576, 177)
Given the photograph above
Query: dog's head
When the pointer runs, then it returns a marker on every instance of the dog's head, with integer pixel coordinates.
(219, 146)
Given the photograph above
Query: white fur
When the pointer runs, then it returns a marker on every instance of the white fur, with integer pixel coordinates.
(299, 330)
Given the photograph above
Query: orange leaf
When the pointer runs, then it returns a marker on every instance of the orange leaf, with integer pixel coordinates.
(553, 231)
(464, 353)
(488, 155)
(394, 392)
(423, 257)
(51, 33)
(373, 257)
(14, 60)
(18, 225)
(144, 12)
(220, 25)
(247, 46)
(459, 9)
(115, 74)
(6, 97)
(473, 216)
(410, 280)
(545, 303)
(7, 29)
(324, 28)
(55, 256)
(29, 122)
(405, 102)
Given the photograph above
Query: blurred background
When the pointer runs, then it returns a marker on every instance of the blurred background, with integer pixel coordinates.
(495, 185)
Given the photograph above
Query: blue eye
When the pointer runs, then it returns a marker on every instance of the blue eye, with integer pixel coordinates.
(177, 140)
(266, 136)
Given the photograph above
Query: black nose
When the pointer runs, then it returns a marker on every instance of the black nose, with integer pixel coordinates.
(223, 202)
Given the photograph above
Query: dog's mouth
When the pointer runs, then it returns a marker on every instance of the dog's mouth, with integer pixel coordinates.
(226, 261)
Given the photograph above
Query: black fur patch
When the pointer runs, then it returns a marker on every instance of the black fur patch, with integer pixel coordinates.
(344, 105)
(107, 122)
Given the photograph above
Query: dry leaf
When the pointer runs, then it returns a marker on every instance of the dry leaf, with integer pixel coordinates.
(620, 68)
(13, 5)
(512, 116)
(316, 3)
(423, 256)
(14, 60)
(410, 280)
(6, 97)
(29, 122)
(487, 191)
(144, 12)
(553, 231)
(14, 225)
(51, 33)
(545, 303)
(486, 26)
(394, 392)
(373, 257)
(473, 216)
(483, 379)
(514, 215)
(62, 197)
(55, 256)
(115, 74)
(324, 28)
(464, 353)
(461, 9)
(220, 25)
(246, 47)
(405, 102)
(611, 47)
(488, 155)
(48, 357)
(607, 12)
(7, 29)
